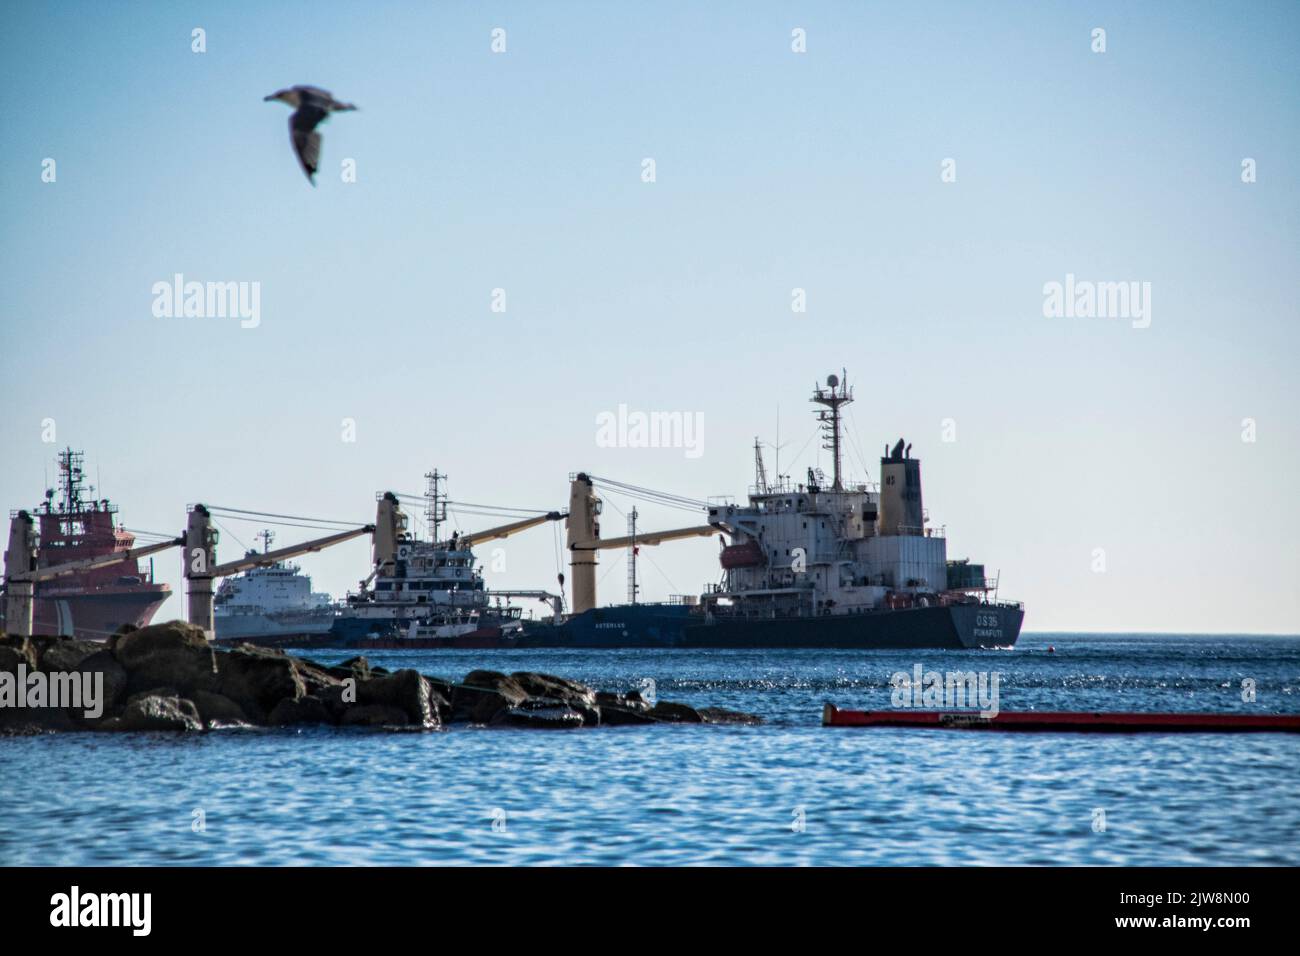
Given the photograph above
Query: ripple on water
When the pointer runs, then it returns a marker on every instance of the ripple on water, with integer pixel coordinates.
(785, 793)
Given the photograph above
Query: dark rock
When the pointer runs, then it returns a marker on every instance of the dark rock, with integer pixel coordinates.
(153, 692)
(20, 654)
(561, 690)
(14, 719)
(373, 715)
(154, 712)
(441, 692)
(66, 654)
(491, 680)
(675, 713)
(632, 700)
(304, 710)
(315, 678)
(720, 715)
(611, 716)
(218, 709)
(169, 677)
(258, 678)
(15, 651)
(61, 658)
(406, 690)
(551, 717)
(115, 677)
(174, 654)
(117, 635)
(22, 721)
(485, 694)
(354, 667)
(555, 688)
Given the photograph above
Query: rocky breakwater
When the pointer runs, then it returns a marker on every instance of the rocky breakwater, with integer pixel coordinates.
(168, 677)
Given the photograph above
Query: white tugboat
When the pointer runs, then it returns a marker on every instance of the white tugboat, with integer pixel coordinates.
(272, 605)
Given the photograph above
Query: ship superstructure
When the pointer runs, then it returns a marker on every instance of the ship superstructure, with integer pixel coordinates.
(431, 593)
(824, 548)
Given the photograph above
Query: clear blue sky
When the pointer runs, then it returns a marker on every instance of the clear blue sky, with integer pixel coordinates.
(775, 170)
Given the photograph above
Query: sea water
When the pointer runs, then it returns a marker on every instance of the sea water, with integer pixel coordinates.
(788, 791)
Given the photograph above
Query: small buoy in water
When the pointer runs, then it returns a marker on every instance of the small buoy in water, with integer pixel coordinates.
(1051, 649)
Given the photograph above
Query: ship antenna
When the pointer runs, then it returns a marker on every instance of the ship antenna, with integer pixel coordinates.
(267, 536)
(776, 448)
(836, 394)
(435, 509)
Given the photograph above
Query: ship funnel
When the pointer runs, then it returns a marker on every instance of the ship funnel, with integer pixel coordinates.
(900, 493)
(20, 559)
(582, 531)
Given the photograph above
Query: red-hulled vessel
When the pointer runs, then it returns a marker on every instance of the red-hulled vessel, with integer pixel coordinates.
(88, 604)
(1069, 721)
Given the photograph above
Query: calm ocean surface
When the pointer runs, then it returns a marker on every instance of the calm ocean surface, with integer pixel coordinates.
(786, 792)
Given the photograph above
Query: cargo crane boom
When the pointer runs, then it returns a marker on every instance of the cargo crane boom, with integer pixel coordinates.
(584, 540)
(647, 537)
(265, 559)
(505, 530)
(90, 564)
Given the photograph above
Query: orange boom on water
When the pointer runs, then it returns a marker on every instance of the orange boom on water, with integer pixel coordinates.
(1074, 722)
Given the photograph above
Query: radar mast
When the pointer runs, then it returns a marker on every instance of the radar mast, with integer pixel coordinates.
(835, 394)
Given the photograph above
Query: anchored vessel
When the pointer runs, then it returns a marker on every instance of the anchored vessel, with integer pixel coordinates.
(270, 605)
(817, 564)
(431, 594)
(89, 604)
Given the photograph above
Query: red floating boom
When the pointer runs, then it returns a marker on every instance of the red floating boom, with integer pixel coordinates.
(1074, 722)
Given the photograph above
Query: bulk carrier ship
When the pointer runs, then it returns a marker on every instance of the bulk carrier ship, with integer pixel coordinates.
(818, 564)
(89, 604)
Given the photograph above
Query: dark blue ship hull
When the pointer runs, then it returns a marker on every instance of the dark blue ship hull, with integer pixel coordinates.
(666, 625)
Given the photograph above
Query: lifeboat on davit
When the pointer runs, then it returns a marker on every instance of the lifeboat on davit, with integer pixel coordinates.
(747, 555)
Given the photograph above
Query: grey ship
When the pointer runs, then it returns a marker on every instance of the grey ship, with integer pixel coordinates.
(819, 564)
(271, 605)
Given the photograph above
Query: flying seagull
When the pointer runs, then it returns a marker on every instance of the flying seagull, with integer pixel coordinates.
(311, 105)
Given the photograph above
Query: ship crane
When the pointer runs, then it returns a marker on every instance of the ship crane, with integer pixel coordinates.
(22, 575)
(200, 560)
(201, 568)
(556, 601)
(505, 530)
(584, 540)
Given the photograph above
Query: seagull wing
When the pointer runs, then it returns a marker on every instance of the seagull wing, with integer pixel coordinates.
(309, 93)
(306, 141)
